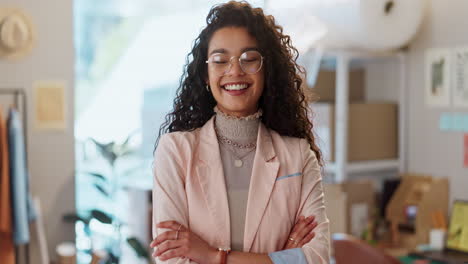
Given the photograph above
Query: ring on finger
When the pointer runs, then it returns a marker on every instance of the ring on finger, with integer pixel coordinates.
(177, 233)
(291, 239)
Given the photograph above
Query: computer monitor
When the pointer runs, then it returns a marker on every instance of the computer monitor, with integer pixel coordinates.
(457, 237)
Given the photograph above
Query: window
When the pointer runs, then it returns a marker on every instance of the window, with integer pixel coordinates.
(129, 58)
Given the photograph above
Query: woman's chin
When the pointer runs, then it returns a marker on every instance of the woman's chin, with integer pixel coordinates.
(238, 111)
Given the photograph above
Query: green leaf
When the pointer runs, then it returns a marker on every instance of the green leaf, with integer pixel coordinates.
(87, 230)
(138, 247)
(106, 150)
(71, 217)
(102, 190)
(101, 216)
(98, 175)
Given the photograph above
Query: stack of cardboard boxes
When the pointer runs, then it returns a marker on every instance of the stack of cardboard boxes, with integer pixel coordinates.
(372, 135)
(372, 126)
(349, 206)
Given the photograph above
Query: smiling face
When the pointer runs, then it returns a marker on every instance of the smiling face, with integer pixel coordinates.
(236, 92)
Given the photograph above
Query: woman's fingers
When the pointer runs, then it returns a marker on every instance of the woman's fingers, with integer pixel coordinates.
(301, 232)
(170, 244)
(307, 239)
(304, 231)
(302, 228)
(173, 253)
(301, 223)
(168, 235)
(296, 226)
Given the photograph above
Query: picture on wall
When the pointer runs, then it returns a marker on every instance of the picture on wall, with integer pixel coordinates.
(438, 62)
(460, 87)
(50, 105)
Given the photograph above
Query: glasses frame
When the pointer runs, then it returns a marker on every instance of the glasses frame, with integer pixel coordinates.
(238, 61)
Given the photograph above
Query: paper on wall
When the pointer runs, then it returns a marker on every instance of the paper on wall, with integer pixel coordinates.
(50, 105)
(437, 75)
(460, 86)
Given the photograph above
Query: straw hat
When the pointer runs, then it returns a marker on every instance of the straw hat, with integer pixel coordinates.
(16, 33)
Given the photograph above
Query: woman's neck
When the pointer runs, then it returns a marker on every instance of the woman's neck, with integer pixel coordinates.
(239, 129)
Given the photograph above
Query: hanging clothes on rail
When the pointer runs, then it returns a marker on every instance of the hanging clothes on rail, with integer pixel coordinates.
(7, 247)
(23, 211)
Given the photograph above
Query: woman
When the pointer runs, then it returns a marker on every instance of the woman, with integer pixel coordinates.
(239, 169)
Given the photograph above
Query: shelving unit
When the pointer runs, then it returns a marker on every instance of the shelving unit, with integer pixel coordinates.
(341, 168)
(20, 103)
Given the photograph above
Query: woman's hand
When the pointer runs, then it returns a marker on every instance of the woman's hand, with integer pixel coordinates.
(180, 242)
(301, 233)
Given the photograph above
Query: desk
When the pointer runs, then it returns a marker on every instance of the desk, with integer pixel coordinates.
(410, 260)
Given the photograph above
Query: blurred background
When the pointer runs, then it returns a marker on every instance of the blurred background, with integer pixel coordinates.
(93, 80)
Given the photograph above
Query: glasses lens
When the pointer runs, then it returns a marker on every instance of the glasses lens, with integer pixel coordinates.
(251, 61)
(220, 63)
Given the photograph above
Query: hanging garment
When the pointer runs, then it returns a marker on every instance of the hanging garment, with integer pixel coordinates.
(7, 247)
(23, 211)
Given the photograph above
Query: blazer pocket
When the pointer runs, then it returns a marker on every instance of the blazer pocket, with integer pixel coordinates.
(288, 176)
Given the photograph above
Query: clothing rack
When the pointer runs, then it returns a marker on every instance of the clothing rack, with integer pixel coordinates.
(19, 94)
(20, 102)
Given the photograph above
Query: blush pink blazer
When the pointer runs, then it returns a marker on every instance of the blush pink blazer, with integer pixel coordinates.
(286, 182)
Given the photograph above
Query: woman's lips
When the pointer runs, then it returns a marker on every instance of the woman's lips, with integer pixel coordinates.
(235, 89)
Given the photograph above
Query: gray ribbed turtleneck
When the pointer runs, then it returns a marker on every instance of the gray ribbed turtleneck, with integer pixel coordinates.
(242, 130)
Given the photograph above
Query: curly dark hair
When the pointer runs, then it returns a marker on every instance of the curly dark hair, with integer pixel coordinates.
(283, 101)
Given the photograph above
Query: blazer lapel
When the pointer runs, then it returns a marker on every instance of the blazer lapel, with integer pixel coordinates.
(264, 173)
(211, 177)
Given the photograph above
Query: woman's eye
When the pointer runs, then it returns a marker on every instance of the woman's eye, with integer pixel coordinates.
(249, 60)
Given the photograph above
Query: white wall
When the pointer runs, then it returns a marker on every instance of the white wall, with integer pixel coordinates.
(430, 151)
(51, 154)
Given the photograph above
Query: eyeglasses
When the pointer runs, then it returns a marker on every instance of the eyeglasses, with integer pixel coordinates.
(250, 62)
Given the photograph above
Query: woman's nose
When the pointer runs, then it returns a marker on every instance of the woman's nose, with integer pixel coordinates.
(235, 68)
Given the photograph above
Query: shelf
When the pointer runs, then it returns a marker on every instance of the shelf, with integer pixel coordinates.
(357, 54)
(365, 166)
(344, 57)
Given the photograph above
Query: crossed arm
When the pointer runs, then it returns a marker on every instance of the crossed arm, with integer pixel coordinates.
(180, 242)
(179, 245)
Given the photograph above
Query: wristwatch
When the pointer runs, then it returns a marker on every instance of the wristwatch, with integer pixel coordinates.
(224, 253)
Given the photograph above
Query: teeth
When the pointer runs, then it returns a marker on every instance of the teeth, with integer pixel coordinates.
(235, 87)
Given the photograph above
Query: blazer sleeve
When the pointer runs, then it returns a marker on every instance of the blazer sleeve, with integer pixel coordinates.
(317, 251)
(169, 199)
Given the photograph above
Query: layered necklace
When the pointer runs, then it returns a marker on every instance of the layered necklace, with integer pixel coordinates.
(232, 145)
(238, 161)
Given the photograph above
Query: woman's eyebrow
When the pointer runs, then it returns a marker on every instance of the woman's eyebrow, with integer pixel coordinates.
(218, 51)
(225, 51)
(250, 49)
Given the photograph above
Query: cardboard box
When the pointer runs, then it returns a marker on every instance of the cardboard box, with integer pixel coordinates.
(349, 206)
(425, 193)
(372, 130)
(324, 88)
(335, 206)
